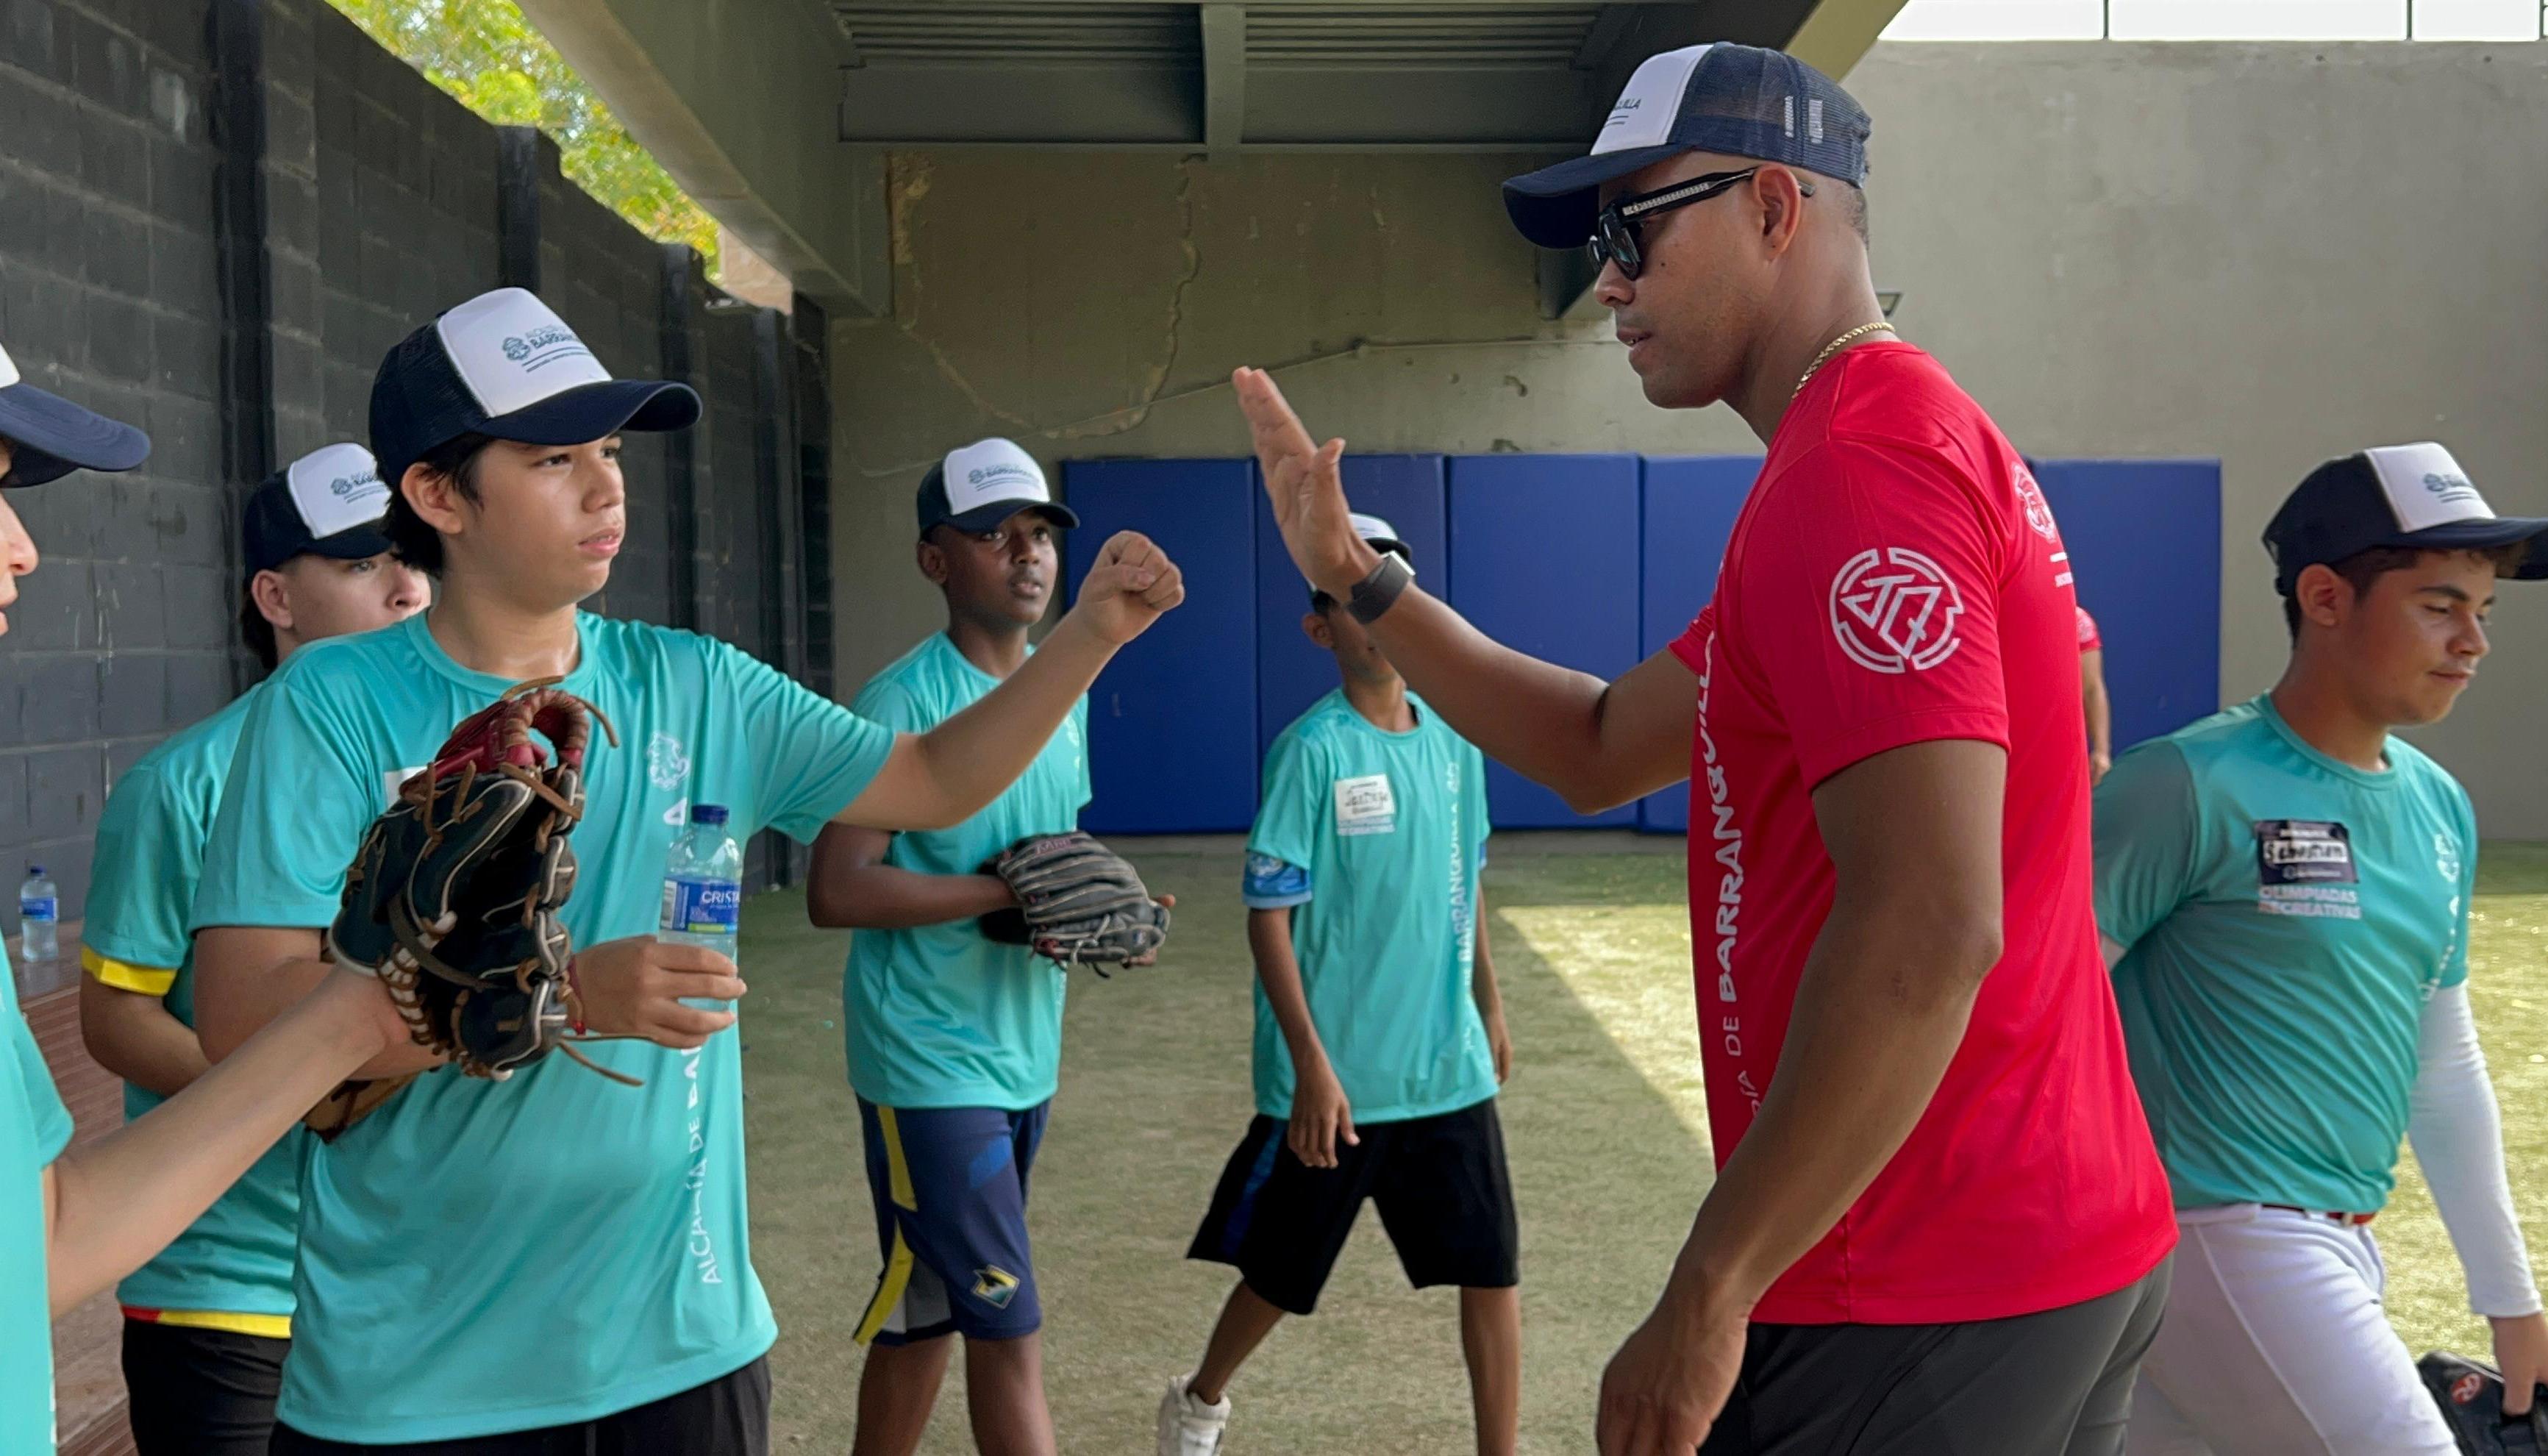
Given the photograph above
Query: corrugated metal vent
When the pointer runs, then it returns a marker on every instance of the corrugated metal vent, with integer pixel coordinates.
(1023, 32)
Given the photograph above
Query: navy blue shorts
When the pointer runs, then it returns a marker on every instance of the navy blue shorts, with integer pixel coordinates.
(950, 1186)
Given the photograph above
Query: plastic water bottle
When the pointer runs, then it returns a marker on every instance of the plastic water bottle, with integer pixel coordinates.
(39, 913)
(703, 884)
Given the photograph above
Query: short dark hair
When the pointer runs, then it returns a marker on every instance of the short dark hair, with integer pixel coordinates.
(1320, 602)
(1854, 201)
(2363, 567)
(412, 537)
(255, 629)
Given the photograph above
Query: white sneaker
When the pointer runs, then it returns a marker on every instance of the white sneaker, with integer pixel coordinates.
(1187, 1426)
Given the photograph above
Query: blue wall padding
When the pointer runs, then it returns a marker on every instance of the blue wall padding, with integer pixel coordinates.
(1172, 720)
(2144, 541)
(1691, 505)
(1292, 671)
(1544, 555)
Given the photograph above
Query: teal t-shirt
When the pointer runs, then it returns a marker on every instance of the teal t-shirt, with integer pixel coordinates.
(2285, 917)
(937, 1015)
(480, 1257)
(236, 1259)
(34, 1130)
(1377, 839)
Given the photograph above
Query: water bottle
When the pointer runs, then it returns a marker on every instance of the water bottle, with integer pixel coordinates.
(39, 911)
(703, 885)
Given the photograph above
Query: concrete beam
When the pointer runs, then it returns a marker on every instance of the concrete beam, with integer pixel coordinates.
(1836, 35)
(1225, 75)
(737, 102)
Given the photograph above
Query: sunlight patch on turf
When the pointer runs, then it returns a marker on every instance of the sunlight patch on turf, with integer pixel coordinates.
(1613, 964)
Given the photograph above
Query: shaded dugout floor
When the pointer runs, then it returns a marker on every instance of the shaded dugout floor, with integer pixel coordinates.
(1606, 1130)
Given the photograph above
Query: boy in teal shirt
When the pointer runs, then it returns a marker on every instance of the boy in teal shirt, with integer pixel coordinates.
(208, 1323)
(2284, 893)
(1379, 1036)
(74, 1221)
(556, 1260)
(955, 1037)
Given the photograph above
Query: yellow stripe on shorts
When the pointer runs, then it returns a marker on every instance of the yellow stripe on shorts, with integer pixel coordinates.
(897, 1172)
(888, 1295)
(265, 1326)
(149, 980)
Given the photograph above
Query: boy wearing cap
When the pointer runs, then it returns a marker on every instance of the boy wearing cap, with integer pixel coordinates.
(2284, 891)
(557, 1260)
(1379, 1036)
(73, 1222)
(953, 1038)
(1936, 1214)
(208, 1323)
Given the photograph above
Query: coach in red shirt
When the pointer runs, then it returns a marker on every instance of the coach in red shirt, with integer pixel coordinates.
(1938, 1223)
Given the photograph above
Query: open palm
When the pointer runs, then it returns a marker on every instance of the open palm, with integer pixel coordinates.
(1305, 486)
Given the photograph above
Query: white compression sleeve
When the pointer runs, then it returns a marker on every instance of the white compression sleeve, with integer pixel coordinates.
(2458, 1135)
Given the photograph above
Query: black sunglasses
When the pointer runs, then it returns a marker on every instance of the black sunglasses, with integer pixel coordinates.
(1615, 228)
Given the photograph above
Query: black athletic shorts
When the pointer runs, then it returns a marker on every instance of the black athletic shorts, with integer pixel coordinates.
(2054, 1383)
(1444, 1192)
(199, 1392)
(727, 1416)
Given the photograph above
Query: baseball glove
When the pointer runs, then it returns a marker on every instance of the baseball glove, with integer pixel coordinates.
(1078, 902)
(2471, 1394)
(452, 900)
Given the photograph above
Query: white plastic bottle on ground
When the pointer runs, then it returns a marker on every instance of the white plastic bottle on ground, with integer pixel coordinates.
(703, 884)
(38, 914)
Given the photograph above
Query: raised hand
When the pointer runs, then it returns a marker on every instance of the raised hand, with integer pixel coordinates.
(1305, 488)
(1130, 586)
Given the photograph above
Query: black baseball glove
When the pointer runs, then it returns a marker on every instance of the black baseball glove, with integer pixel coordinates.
(2471, 1394)
(1078, 902)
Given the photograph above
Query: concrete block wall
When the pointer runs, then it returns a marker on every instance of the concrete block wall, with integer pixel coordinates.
(108, 292)
(214, 218)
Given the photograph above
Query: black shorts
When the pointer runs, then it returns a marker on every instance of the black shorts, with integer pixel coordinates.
(199, 1392)
(2053, 1384)
(1444, 1192)
(727, 1416)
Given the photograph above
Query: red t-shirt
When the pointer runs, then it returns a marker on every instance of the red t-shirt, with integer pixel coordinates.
(2089, 641)
(1896, 577)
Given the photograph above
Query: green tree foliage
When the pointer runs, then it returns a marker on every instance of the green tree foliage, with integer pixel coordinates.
(488, 54)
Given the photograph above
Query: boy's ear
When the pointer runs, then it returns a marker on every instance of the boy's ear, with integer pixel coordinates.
(933, 561)
(1315, 625)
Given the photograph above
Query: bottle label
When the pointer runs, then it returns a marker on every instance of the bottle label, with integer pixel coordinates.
(37, 908)
(701, 907)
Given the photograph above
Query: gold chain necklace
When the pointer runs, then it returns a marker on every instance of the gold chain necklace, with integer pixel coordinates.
(1834, 347)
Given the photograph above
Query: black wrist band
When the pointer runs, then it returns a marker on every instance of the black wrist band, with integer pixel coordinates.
(1377, 592)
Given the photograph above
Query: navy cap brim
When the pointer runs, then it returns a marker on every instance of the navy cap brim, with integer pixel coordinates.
(988, 518)
(2485, 535)
(593, 410)
(1555, 206)
(355, 543)
(53, 437)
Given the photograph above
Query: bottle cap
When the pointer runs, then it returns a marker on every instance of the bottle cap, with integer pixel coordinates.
(710, 814)
(36, 871)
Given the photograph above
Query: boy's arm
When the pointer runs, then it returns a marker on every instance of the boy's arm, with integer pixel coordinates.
(852, 887)
(944, 776)
(1489, 996)
(111, 1206)
(132, 1034)
(2101, 713)
(1320, 1114)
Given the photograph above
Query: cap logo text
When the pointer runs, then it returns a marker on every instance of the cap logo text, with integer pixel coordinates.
(543, 346)
(2450, 487)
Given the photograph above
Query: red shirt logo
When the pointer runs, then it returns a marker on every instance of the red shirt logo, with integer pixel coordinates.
(1894, 610)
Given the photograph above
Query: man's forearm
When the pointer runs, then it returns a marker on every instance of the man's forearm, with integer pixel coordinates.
(132, 1036)
(1879, 1011)
(886, 897)
(1536, 718)
(108, 1206)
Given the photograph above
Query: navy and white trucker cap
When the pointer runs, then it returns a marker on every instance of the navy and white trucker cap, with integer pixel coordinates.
(1380, 536)
(2412, 496)
(1738, 99)
(50, 436)
(329, 502)
(503, 364)
(985, 484)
